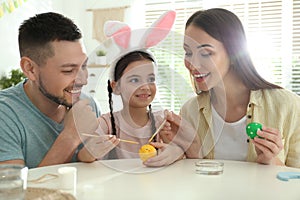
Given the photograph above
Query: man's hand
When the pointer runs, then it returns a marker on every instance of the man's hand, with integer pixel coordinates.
(81, 118)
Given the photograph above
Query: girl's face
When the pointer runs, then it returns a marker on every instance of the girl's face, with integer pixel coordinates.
(205, 58)
(137, 85)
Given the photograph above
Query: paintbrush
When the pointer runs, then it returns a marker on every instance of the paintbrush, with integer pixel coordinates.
(121, 140)
(157, 131)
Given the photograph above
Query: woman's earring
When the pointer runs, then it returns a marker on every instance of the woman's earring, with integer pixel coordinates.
(198, 91)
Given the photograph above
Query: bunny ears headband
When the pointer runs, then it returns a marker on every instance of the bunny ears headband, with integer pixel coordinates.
(125, 40)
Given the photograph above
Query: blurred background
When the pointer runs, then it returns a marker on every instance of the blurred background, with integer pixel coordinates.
(272, 27)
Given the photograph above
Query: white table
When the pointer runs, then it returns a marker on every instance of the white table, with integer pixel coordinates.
(129, 179)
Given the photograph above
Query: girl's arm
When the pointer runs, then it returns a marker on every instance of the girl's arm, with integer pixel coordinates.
(99, 144)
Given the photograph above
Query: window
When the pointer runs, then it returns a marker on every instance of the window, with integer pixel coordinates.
(295, 80)
(174, 85)
(273, 34)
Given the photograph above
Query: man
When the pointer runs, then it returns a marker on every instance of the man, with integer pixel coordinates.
(41, 117)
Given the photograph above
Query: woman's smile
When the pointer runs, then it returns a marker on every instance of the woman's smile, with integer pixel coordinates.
(201, 77)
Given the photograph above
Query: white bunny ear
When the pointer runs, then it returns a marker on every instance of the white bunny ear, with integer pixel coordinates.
(159, 29)
(119, 31)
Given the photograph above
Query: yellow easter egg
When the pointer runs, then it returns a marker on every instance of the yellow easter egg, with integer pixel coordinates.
(147, 151)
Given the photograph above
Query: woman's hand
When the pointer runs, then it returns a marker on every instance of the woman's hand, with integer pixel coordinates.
(171, 127)
(180, 132)
(167, 154)
(269, 146)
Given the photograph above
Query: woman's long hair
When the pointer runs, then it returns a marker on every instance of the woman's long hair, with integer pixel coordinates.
(226, 27)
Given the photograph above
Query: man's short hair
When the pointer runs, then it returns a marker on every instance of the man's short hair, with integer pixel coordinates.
(37, 33)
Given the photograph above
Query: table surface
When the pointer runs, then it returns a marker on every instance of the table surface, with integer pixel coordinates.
(129, 179)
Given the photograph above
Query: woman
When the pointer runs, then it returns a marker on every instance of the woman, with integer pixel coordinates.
(231, 94)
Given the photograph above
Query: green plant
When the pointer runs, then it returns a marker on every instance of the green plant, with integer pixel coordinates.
(14, 77)
(100, 53)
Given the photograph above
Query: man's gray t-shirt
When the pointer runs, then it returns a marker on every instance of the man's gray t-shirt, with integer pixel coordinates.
(25, 132)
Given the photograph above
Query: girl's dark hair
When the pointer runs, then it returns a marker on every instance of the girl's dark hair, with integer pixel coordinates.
(226, 27)
(119, 69)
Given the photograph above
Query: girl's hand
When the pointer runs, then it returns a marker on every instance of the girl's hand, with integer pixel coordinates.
(167, 154)
(97, 147)
(269, 146)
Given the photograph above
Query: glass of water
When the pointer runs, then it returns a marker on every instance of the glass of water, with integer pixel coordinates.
(209, 167)
(13, 181)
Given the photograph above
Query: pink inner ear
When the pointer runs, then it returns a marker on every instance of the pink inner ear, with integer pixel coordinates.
(160, 29)
(167, 21)
(122, 37)
(155, 37)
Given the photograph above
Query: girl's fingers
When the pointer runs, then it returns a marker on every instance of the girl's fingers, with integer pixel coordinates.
(158, 145)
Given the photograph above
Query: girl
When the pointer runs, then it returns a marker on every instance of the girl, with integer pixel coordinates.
(134, 81)
(132, 77)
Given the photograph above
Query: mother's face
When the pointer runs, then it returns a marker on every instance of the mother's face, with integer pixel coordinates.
(205, 58)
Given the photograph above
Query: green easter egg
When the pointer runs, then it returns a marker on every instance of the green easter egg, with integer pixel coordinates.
(251, 129)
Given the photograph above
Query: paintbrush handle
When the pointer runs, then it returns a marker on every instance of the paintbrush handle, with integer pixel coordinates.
(89, 135)
(121, 140)
(157, 131)
(129, 141)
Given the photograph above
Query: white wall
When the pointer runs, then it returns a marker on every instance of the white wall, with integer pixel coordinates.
(9, 24)
(134, 15)
(84, 19)
(75, 9)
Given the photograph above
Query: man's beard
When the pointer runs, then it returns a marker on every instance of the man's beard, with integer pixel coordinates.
(55, 99)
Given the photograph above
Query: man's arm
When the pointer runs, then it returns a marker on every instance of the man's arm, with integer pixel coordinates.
(79, 119)
(62, 150)
(20, 162)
